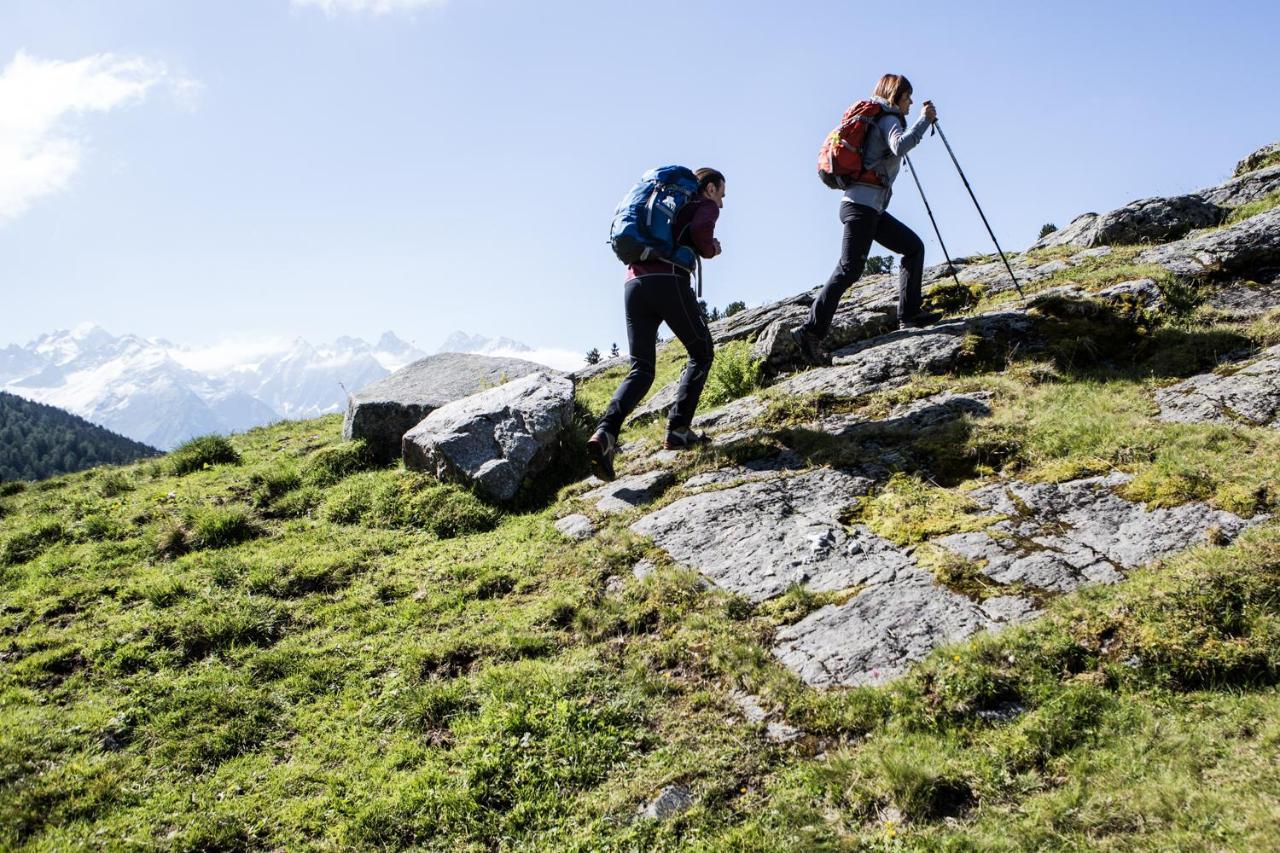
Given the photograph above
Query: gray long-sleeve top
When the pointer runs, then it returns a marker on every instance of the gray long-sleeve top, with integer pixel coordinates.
(883, 154)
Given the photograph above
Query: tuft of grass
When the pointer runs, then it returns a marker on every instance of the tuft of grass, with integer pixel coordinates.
(115, 483)
(907, 510)
(1253, 208)
(734, 374)
(201, 453)
(220, 527)
(329, 465)
(951, 297)
(27, 543)
(401, 499)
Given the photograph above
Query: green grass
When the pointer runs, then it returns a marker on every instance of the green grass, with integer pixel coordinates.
(1253, 208)
(295, 648)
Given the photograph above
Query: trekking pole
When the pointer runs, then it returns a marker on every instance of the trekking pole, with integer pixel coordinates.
(950, 266)
(938, 128)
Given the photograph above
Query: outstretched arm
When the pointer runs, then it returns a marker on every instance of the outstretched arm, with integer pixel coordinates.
(901, 142)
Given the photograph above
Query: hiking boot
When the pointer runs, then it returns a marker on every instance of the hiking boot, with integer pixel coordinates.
(601, 448)
(810, 351)
(919, 320)
(682, 439)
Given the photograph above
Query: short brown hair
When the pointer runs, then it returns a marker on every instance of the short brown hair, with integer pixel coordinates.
(892, 87)
(708, 176)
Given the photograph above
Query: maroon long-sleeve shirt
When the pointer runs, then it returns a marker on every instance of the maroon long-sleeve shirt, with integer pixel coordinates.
(695, 226)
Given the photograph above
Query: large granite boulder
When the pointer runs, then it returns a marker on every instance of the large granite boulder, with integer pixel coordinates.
(1152, 220)
(496, 439)
(383, 412)
(1246, 394)
(1147, 220)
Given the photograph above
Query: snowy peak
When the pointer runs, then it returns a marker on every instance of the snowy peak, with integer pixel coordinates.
(162, 394)
(464, 342)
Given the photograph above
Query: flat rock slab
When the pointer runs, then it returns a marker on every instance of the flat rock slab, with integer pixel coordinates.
(1061, 536)
(383, 412)
(760, 538)
(495, 439)
(1248, 301)
(879, 633)
(627, 493)
(1248, 394)
(922, 414)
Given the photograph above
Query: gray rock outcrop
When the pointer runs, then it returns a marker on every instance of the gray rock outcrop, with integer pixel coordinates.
(879, 633)
(1247, 393)
(1257, 158)
(1061, 536)
(1143, 221)
(495, 439)
(1152, 220)
(1237, 249)
(760, 538)
(383, 412)
(1245, 188)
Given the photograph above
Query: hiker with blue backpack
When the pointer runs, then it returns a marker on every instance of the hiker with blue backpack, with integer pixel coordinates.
(862, 157)
(662, 229)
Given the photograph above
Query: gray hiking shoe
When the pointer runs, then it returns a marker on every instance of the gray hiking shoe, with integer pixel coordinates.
(601, 448)
(919, 320)
(682, 439)
(809, 348)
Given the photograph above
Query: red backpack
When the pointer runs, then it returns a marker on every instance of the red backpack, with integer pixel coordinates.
(840, 160)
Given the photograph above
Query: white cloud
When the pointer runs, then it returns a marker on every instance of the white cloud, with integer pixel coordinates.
(229, 355)
(40, 98)
(376, 7)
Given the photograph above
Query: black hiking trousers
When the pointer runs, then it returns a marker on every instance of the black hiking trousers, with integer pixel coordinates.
(650, 301)
(863, 224)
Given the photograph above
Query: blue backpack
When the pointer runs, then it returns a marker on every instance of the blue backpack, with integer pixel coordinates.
(644, 223)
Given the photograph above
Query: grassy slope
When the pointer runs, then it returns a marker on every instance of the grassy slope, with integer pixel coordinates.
(280, 647)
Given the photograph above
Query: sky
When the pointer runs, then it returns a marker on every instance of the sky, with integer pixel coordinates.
(202, 171)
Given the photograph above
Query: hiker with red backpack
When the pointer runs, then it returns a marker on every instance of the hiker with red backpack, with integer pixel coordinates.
(661, 230)
(862, 157)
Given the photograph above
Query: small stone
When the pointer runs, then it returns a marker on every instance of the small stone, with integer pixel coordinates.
(576, 526)
(643, 569)
(671, 801)
(782, 733)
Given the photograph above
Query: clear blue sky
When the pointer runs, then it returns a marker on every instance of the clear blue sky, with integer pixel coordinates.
(283, 168)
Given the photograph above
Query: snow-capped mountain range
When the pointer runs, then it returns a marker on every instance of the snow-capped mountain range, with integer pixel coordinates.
(162, 394)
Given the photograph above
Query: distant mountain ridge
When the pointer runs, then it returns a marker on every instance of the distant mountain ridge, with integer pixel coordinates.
(161, 394)
(38, 441)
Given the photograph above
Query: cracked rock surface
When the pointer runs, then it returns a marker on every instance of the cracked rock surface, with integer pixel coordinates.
(1060, 536)
(760, 538)
(1248, 394)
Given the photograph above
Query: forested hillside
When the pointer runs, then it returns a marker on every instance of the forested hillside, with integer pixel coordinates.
(38, 441)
